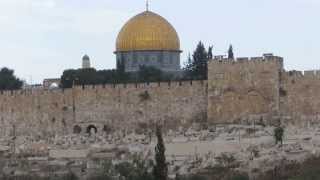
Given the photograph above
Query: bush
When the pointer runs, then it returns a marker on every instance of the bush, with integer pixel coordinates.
(227, 161)
(278, 135)
(240, 177)
(134, 171)
(197, 177)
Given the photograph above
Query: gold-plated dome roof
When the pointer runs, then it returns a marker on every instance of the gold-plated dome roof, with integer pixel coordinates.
(147, 31)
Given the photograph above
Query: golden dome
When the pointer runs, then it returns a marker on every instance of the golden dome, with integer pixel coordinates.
(147, 31)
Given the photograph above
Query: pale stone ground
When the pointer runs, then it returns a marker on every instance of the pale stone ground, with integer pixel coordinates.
(205, 146)
(187, 151)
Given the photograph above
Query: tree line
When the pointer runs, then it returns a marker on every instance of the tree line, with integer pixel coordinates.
(8, 81)
(114, 76)
(194, 69)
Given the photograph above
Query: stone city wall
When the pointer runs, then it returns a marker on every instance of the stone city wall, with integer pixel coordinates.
(259, 89)
(243, 89)
(102, 108)
(238, 90)
(300, 96)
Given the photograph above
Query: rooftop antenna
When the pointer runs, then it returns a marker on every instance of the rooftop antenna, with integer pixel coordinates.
(147, 5)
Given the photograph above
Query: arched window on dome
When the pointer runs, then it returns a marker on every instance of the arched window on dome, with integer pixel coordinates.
(135, 62)
(141, 58)
(166, 58)
(154, 58)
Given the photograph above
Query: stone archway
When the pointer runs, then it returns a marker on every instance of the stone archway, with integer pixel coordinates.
(77, 129)
(107, 129)
(92, 129)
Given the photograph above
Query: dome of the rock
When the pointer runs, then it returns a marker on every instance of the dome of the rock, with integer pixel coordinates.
(148, 39)
(147, 31)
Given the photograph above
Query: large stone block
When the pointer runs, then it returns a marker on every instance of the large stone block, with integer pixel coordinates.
(69, 154)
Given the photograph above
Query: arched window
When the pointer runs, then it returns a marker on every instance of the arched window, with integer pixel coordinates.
(77, 129)
(107, 129)
(92, 129)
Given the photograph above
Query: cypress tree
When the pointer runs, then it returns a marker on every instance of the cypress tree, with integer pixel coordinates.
(210, 55)
(230, 52)
(160, 169)
(197, 68)
(278, 135)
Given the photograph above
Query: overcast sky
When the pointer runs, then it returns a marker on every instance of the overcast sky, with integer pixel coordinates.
(41, 38)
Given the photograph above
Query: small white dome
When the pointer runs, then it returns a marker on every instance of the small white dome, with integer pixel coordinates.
(53, 86)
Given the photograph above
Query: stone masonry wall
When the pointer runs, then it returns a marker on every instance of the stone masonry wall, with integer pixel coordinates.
(300, 96)
(240, 90)
(243, 89)
(46, 113)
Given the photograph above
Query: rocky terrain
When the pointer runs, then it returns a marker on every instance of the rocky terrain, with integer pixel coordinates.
(191, 150)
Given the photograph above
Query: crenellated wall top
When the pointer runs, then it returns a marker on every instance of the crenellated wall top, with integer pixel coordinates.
(266, 58)
(137, 86)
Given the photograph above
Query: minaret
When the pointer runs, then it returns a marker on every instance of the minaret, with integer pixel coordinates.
(147, 5)
(86, 62)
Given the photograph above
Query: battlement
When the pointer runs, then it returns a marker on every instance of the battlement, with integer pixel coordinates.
(303, 74)
(145, 85)
(260, 88)
(266, 58)
(141, 86)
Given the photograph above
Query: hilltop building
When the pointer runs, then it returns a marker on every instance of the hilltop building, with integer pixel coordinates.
(148, 39)
(54, 83)
(86, 62)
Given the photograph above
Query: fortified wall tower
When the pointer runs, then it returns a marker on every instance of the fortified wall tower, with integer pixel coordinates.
(300, 97)
(259, 89)
(244, 89)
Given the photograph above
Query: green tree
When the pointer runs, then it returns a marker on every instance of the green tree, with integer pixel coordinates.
(197, 68)
(150, 74)
(278, 135)
(125, 170)
(69, 77)
(160, 169)
(121, 75)
(88, 76)
(230, 52)
(210, 55)
(108, 76)
(136, 170)
(8, 81)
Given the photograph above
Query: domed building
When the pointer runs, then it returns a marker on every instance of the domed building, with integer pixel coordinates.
(86, 62)
(148, 39)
